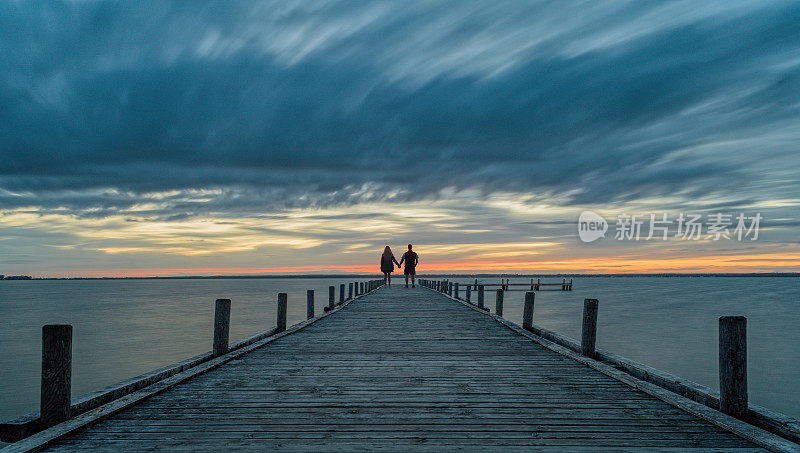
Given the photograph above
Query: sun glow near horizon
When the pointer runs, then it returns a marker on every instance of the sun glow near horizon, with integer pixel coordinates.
(476, 237)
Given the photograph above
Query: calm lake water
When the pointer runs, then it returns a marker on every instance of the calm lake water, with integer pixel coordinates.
(123, 328)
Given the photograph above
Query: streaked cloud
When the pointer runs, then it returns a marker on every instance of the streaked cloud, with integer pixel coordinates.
(241, 130)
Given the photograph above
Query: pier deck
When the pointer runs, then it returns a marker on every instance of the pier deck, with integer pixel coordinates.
(402, 369)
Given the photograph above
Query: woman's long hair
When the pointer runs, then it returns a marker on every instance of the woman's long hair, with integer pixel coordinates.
(387, 253)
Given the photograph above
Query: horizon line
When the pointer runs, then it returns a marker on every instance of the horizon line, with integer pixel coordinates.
(436, 274)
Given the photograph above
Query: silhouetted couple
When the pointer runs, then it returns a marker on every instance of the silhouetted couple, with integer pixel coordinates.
(410, 258)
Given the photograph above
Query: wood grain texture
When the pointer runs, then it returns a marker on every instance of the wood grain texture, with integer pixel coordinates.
(56, 374)
(589, 327)
(403, 369)
(733, 365)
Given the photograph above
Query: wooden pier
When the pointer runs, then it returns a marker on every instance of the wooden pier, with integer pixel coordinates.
(399, 369)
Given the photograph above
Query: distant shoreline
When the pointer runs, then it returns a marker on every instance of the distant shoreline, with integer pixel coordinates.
(446, 275)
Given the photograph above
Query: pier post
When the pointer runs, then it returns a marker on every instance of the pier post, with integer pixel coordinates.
(341, 294)
(56, 383)
(538, 282)
(570, 285)
(455, 289)
(733, 365)
(498, 304)
(362, 288)
(309, 304)
(331, 298)
(527, 311)
(480, 296)
(222, 324)
(450, 289)
(468, 296)
(564, 284)
(589, 330)
(282, 303)
(356, 288)
(349, 291)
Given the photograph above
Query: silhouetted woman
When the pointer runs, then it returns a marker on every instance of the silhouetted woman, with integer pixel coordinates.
(387, 265)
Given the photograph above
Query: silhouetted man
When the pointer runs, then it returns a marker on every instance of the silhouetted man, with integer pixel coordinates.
(411, 259)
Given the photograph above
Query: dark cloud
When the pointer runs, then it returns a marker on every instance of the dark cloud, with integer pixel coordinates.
(280, 104)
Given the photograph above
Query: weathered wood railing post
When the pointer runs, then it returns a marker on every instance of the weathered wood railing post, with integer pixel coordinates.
(480, 297)
(222, 323)
(498, 304)
(450, 289)
(282, 305)
(309, 304)
(527, 311)
(341, 294)
(733, 365)
(538, 282)
(570, 285)
(455, 290)
(589, 329)
(349, 291)
(564, 284)
(56, 386)
(468, 294)
(362, 288)
(331, 298)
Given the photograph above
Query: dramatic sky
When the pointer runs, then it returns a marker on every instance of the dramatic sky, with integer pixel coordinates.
(196, 137)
